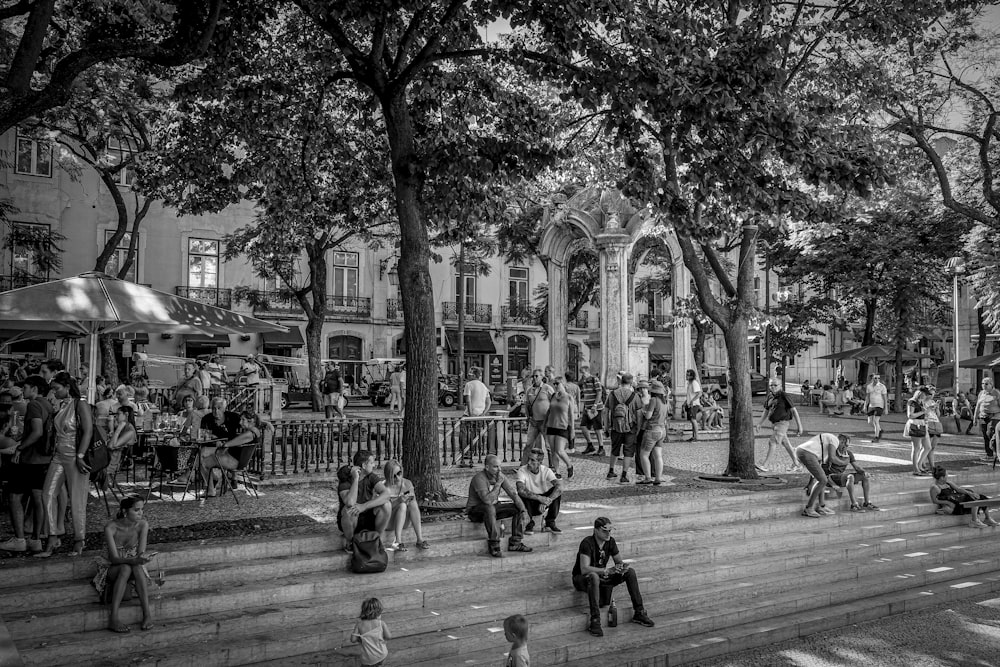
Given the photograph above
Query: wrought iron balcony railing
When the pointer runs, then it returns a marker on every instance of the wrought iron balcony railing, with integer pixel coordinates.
(480, 313)
(213, 296)
(336, 305)
(654, 322)
(518, 313)
(580, 321)
(394, 310)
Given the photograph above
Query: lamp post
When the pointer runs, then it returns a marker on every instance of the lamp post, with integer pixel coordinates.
(956, 267)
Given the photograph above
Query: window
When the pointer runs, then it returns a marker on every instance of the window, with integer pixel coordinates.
(345, 274)
(33, 157)
(121, 254)
(518, 286)
(121, 150)
(517, 354)
(28, 242)
(468, 273)
(203, 263)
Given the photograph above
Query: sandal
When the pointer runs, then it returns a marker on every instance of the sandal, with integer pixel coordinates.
(398, 546)
(121, 628)
(77, 550)
(856, 508)
(146, 625)
(423, 544)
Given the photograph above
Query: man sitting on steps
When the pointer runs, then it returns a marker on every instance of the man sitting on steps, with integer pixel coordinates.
(592, 574)
(484, 507)
(364, 501)
(540, 490)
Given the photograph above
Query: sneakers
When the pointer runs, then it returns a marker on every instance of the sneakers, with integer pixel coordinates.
(34, 545)
(569, 472)
(588, 451)
(553, 527)
(595, 627)
(523, 548)
(825, 510)
(18, 544)
(870, 506)
(643, 620)
(990, 522)
(812, 514)
(530, 528)
(495, 552)
(976, 523)
(856, 508)
(611, 474)
(760, 468)
(623, 479)
(423, 544)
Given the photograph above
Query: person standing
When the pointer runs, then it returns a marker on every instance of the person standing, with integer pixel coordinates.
(477, 403)
(654, 434)
(623, 406)
(396, 389)
(251, 370)
(30, 463)
(190, 385)
(778, 410)
(559, 424)
(573, 389)
(876, 403)
(536, 408)
(987, 415)
(692, 402)
(333, 387)
(371, 632)
(591, 408)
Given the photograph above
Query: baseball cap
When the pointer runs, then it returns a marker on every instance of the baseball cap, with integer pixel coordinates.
(626, 377)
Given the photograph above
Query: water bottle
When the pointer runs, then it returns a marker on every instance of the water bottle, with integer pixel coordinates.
(612, 614)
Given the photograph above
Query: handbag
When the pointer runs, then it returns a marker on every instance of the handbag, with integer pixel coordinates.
(369, 554)
(916, 428)
(97, 457)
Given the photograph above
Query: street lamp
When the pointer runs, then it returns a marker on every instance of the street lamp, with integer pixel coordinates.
(956, 267)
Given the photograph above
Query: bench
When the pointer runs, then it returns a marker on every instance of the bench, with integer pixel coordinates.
(989, 502)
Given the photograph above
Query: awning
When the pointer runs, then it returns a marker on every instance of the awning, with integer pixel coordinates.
(218, 340)
(662, 349)
(476, 342)
(136, 338)
(290, 338)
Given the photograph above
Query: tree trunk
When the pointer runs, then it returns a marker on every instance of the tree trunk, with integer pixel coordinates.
(460, 365)
(699, 344)
(869, 336)
(315, 317)
(741, 431)
(110, 366)
(421, 454)
(314, 351)
(980, 345)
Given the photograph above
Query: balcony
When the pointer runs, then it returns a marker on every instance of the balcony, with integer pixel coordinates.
(8, 283)
(213, 296)
(337, 306)
(519, 313)
(654, 322)
(394, 310)
(478, 313)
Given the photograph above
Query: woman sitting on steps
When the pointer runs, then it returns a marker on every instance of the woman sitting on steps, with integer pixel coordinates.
(947, 497)
(405, 509)
(125, 559)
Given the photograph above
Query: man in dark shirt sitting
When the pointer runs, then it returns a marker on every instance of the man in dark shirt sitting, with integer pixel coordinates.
(484, 507)
(221, 423)
(592, 574)
(364, 501)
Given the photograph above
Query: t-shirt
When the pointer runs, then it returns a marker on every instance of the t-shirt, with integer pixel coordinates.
(591, 392)
(518, 657)
(599, 556)
(877, 394)
(478, 397)
(38, 408)
(657, 413)
(839, 468)
(988, 403)
(693, 389)
(251, 371)
(366, 491)
(228, 429)
(539, 482)
(537, 399)
(372, 638)
(780, 407)
(574, 392)
(560, 412)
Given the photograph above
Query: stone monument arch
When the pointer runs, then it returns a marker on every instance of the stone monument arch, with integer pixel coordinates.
(603, 219)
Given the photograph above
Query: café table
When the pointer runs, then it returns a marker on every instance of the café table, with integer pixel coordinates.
(176, 453)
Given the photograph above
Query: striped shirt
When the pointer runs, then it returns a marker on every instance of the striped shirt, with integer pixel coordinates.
(591, 392)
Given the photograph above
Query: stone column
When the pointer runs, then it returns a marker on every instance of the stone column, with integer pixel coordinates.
(683, 354)
(612, 247)
(558, 310)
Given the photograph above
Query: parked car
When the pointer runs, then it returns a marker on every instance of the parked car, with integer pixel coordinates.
(717, 386)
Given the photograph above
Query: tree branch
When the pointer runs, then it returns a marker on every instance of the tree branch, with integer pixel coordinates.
(718, 269)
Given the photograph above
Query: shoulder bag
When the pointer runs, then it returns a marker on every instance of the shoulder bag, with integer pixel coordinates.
(369, 555)
(97, 457)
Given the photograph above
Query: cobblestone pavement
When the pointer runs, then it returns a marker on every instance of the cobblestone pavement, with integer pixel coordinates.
(314, 501)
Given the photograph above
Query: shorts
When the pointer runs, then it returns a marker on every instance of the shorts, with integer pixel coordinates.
(622, 444)
(653, 436)
(934, 428)
(557, 432)
(595, 422)
(693, 411)
(332, 399)
(876, 412)
(840, 478)
(28, 477)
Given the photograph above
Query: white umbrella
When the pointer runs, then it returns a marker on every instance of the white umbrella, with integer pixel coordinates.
(95, 303)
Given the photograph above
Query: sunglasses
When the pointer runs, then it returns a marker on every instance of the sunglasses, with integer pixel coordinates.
(607, 529)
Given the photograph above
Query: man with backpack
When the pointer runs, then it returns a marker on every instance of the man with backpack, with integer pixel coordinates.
(623, 404)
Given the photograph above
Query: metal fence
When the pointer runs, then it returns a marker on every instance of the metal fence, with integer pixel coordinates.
(322, 445)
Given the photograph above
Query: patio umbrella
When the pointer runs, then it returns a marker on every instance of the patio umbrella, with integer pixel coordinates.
(985, 361)
(840, 356)
(95, 303)
(882, 353)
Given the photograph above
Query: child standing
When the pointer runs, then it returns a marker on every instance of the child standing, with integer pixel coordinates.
(371, 633)
(515, 629)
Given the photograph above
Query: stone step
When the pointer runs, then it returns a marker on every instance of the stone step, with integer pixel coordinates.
(457, 606)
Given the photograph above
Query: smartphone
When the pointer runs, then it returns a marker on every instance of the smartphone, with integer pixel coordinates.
(151, 554)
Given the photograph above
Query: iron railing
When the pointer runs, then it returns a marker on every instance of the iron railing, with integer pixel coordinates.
(336, 305)
(581, 321)
(323, 445)
(394, 310)
(654, 322)
(480, 313)
(213, 296)
(519, 313)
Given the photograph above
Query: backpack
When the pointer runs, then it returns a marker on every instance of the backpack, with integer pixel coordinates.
(331, 383)
(623, 416)
(369, 555)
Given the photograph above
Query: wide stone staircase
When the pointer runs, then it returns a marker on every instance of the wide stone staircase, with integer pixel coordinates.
(719, 573)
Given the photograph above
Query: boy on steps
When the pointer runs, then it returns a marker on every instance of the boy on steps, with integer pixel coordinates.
(371, 632)
(515, 629)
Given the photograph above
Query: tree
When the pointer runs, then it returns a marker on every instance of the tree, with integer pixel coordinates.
(301, 147)
(106, 126)
(46, 44)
